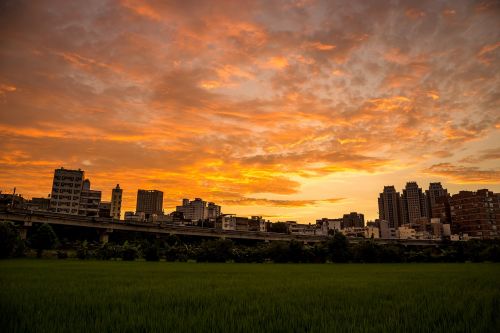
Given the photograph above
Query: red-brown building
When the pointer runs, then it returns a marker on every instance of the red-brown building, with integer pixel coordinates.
(476, 213)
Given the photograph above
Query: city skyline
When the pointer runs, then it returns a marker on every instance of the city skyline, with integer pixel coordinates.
(289, 110)
(71, 194)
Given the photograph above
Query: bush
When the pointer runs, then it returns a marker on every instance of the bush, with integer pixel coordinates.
(338, 248)
(61, 254)
(278, 252)
(129, 252)
(215, 251)
(9, 239)
(82, 252)
(44, 238)
(296, 251)
(151, 252)
(367, 251)
(107, 251)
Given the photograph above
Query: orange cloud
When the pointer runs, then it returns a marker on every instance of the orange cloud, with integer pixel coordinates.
(141, 8)
(464, 175)
(414, 13)
(485, 54)
(277, 203)
(278, 62)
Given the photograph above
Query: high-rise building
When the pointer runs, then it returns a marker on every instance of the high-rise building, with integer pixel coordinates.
(213, 210)
(434, 192)
(441, 209)
(149, 202)
(66, 191)
(389, 208)
(476, 214)
(197, 209)
(353, 220)
(116, 202)
(413, 203)
(89, 200)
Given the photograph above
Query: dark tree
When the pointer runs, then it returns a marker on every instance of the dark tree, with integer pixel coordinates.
(44, 238)
(296, 251)
(367, 251)
(83, 252)
(151, 252)
(215, 251)
(338, 248)
(9, 238)
(129, 252)
(279, 252)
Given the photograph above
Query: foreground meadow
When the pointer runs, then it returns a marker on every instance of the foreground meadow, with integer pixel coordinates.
(93, 296)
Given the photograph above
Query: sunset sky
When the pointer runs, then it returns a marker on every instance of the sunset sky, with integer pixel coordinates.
(294, 110)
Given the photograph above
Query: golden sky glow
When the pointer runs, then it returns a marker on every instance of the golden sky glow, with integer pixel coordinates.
(288, 109)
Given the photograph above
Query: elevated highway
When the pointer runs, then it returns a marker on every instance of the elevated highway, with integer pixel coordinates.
(105, 226)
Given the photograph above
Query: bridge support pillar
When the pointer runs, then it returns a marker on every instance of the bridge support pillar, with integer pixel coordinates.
(23, 233)
(104, 235)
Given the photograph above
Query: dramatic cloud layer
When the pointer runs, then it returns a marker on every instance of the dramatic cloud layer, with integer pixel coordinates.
(267, 107)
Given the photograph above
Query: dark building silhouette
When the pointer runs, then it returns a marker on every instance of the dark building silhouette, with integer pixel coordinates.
(353, 220)
(413, 204)
(149, 202)
(66, 191)
(476, 213)
(389, 207)
(89, 200)
(434, 192)
(441, 209)
(116, 202)
(104, 209)
(39, 204)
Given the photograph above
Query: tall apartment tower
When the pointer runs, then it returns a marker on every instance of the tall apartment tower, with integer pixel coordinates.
(149, 202)
(434, 192)
(413, 203)
(389, 207)
(66, 191)
(116, 202)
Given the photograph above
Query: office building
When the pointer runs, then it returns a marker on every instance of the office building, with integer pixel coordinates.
(149, 202)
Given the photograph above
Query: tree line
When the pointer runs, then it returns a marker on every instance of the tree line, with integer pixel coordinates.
(336, 249)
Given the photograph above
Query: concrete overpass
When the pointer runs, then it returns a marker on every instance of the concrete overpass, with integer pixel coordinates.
(105, 226)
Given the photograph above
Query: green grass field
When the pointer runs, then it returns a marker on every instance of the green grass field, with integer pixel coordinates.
(92, 296)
